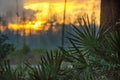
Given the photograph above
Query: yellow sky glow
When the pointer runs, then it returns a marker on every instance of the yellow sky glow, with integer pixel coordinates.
(48, 8)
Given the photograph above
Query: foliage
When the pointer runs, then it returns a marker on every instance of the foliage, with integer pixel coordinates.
(8, 72)
(49, 67)
(5, 47)
(94, 52)
(118, 22)
(25, 48)
(113, 54)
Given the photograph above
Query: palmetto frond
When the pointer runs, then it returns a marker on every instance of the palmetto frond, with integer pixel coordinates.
(49, 67)
(7, 72)
(92, 52)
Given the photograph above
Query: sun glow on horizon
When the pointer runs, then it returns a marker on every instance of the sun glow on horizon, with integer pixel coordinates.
(45, 12)
(28, 28)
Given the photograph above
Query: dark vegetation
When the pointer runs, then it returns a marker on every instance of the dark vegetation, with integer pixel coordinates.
(5, 47)
(94, 54)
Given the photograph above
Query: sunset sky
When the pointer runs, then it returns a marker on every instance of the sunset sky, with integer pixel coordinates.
(74, 7)
(41, 11)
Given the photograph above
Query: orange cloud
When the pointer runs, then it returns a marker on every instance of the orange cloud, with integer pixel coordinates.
(52, 10)
(73, 8)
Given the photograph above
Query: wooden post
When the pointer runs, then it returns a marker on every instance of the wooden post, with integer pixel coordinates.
(63, 27)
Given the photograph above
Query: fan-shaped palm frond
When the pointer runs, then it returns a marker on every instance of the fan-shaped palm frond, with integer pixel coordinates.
(112, 48)
(10, 73)
(49, 67)
(91, 51)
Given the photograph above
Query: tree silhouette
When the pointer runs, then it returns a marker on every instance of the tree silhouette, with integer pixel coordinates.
(110, 13)
(5, 48)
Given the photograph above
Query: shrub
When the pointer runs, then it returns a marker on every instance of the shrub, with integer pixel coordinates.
(94, 52)
(49, 67)
(5, 47)
(8, 72)
(25, 48)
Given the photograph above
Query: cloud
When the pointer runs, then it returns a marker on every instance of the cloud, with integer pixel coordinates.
(10, 5)
(76, 6)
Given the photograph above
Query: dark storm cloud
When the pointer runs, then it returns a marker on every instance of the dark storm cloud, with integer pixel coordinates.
(10, 5)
